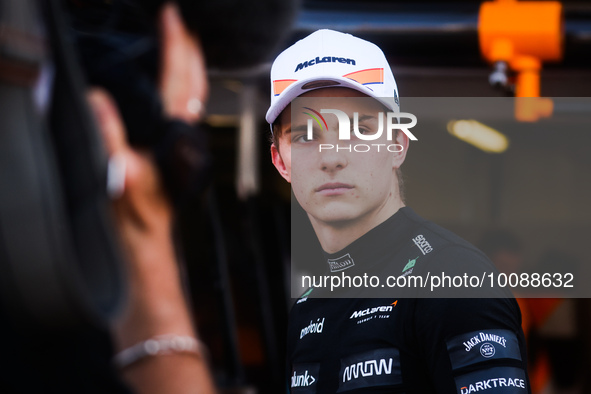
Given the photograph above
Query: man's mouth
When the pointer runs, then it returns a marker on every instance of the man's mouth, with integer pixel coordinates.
(329, 189)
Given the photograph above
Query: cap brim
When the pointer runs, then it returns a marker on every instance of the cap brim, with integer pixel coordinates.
(296, 89)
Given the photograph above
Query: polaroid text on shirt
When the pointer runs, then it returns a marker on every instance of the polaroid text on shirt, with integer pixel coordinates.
(345, 130)
(313, 328)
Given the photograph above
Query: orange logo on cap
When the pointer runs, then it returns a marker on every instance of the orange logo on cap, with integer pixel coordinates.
(280, 85)
(364, 77)
(368, 76)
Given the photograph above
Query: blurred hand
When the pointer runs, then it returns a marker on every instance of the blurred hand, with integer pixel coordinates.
(143, 217)
(183, 79)
(143, 209)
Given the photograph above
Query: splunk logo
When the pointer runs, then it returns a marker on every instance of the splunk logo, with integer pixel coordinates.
(345, 129)
(304, 377)
(304, 380)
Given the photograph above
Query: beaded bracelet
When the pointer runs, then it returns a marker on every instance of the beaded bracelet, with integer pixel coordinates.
(157, 346)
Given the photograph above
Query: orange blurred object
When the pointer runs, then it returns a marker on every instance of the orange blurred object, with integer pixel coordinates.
(523, 34)
(534, 313)
(508, 29)
(531, 109)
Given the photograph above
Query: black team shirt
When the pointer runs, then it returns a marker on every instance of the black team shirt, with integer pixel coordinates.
(403, 342)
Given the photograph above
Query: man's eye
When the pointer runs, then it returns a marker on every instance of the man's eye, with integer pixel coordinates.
(363, 130)
(302, 138)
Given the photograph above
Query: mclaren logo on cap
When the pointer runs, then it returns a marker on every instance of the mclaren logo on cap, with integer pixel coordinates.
(325, 59)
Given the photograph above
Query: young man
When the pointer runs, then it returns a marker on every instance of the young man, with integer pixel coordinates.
(407, 340)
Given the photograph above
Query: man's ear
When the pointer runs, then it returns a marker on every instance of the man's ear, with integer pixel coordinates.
(398, 158)
(279, 163)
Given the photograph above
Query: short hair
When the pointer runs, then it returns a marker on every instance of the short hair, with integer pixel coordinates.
(275, 132)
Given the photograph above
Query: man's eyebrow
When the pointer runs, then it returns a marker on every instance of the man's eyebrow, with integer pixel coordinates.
(297, 128)
(364, 117)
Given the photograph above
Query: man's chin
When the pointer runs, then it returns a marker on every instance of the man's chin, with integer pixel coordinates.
(337, 217)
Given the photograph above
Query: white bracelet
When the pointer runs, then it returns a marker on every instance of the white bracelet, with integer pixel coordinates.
(157, 346)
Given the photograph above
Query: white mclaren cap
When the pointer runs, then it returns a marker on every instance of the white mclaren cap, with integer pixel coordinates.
(328, 58)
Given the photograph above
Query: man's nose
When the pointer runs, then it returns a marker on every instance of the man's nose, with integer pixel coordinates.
(335, 158)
